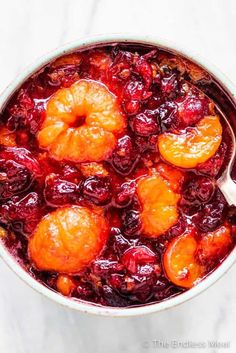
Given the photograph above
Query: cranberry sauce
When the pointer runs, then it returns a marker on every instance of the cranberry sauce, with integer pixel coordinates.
(155, 93)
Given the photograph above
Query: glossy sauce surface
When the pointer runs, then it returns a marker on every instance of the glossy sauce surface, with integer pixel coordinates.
(114, 150)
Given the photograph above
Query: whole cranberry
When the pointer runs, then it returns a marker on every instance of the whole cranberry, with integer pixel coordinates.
(192, 109)
(58, 192)
(145, 124)
(131, 222)
(198, 189)
(124, 194)
(97, 190)
(136, 257)
(124, 156)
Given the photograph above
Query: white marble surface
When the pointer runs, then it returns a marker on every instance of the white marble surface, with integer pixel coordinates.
(30, 323)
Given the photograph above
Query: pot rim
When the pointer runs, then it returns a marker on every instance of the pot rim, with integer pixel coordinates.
(83, 306)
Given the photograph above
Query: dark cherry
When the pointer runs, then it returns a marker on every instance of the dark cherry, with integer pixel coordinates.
(97, 190)
(58, 192)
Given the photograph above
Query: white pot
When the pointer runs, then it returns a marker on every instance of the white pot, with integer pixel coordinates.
(82, 305)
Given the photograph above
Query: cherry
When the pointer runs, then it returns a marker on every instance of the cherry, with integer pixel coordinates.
(97, 190)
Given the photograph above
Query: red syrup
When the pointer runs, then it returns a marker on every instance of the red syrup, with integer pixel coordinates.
(150, 87)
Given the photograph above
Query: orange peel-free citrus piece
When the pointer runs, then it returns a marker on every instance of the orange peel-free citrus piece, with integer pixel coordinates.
(68, 239)
(193, 146)
(159, 200)
(94, 140)
(65, 284)
(180, 264)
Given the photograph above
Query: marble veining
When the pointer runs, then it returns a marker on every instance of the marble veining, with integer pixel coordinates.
(30, 323)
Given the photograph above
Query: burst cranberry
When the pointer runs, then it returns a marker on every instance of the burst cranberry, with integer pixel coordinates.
(168, 115)
(124, 156)
(58, 192)
(169, 85)
(97, 190)
(14, 178)
(22, 157)
(24, 214)
(103, 267)
(192, 109)
(131, 222)
(124, 194)
(198, 189)
(213, 165)
(24, 113)
(137, 257)
(144, 69)
(144, 124)
(210, 217)
(63, 76)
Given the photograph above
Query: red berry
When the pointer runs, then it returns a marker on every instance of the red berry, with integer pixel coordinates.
(58, 192)
(137, 257)
(97, 190)
(145, 124)
(124, 156)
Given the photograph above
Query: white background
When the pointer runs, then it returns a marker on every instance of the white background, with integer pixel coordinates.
(30, 323)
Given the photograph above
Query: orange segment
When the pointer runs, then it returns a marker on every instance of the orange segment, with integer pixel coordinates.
(215, 245)
(159, 201)
(65, 285)
(180, 263)
(94, 140)
(195, 145)
(68, 239)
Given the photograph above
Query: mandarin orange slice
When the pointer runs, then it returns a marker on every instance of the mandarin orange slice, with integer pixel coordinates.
(81, 123)
(193, 146)
(159, 200)
(68, 239)
(65, 284)
(180, 262)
